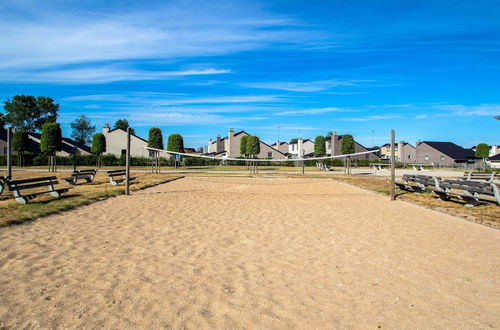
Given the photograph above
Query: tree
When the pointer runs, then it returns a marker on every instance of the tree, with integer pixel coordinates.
(175, 143)
(123, 124)
(294, 141)
(243, 145)
(20, 144)
(347, 147)
(98, 147)
(320, 146)
(483, 151)
(253, 146)
(155, 140)
(51, 142)
(82, 130)
(27, 113)
(347, 144)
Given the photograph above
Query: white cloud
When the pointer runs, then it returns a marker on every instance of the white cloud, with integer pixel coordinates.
(368, 118)
(96, 75)
(470, 110)
(314, 111)
(313, 86)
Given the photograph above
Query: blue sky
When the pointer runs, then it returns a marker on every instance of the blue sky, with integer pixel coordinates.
(429, 69)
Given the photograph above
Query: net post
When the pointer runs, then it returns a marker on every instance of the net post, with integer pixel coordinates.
(393, 166)
(127, 164)
(303, 166)
(9, 153)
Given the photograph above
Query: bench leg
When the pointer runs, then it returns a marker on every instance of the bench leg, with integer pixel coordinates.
(55, 194)
(20, 199)
(442, 196)
(470, 201)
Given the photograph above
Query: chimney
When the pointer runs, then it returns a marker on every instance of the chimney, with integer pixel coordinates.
(218, 147)
(229, 140)
(401, 156)
(105, 129)
(299, 145)
(333, 144)
(494, 150)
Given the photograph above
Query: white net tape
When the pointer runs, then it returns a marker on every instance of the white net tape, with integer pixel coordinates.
(263, 159)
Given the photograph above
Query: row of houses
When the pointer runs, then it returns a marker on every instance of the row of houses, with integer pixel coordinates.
(116, 144)
(445, 154)
(229, 146)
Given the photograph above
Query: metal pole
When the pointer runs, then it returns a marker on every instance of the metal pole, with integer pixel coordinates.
(9, 153)
(127, 164)
(393, 166)
(303, 166)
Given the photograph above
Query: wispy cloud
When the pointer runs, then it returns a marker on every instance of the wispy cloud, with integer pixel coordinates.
(313, 86)
(97, 75)
(368, 118)
(314, 111)
(470, 110)
(47, 36)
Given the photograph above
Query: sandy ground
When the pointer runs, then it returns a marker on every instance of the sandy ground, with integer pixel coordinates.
(250, 253)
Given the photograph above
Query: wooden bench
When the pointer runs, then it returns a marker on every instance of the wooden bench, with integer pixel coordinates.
(490, 177)
(87, 175)
(117, 176)
(469, 191)
(417, 182)
(19, 186)
(378, 166)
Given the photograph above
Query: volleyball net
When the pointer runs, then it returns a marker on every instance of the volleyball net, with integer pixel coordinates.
(238, 166)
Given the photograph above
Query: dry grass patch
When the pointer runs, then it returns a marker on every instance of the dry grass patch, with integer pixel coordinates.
(485, 213)
(12, 212)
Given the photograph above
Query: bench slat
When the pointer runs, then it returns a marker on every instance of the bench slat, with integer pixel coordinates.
(115, 171)
(47, 178)
(13, 187)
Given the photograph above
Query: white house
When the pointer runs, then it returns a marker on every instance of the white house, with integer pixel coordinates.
(301, 148)
(116, 143)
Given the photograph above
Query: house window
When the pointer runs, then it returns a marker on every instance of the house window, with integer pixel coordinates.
(426, 157)
(442, 158)
(269, 154)
(409, 156)
(124, 152)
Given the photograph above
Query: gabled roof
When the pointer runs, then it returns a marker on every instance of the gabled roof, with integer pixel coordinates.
(281, 143)
(119, 128)
(495, 158)
(65, 147)
(451, 150)
(303, 141)
(388, 145)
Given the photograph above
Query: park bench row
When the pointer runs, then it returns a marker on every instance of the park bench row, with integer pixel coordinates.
(22, 189)
(467, 190)
(323, 167)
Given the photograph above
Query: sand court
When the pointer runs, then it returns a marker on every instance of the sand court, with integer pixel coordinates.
(250, 253)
